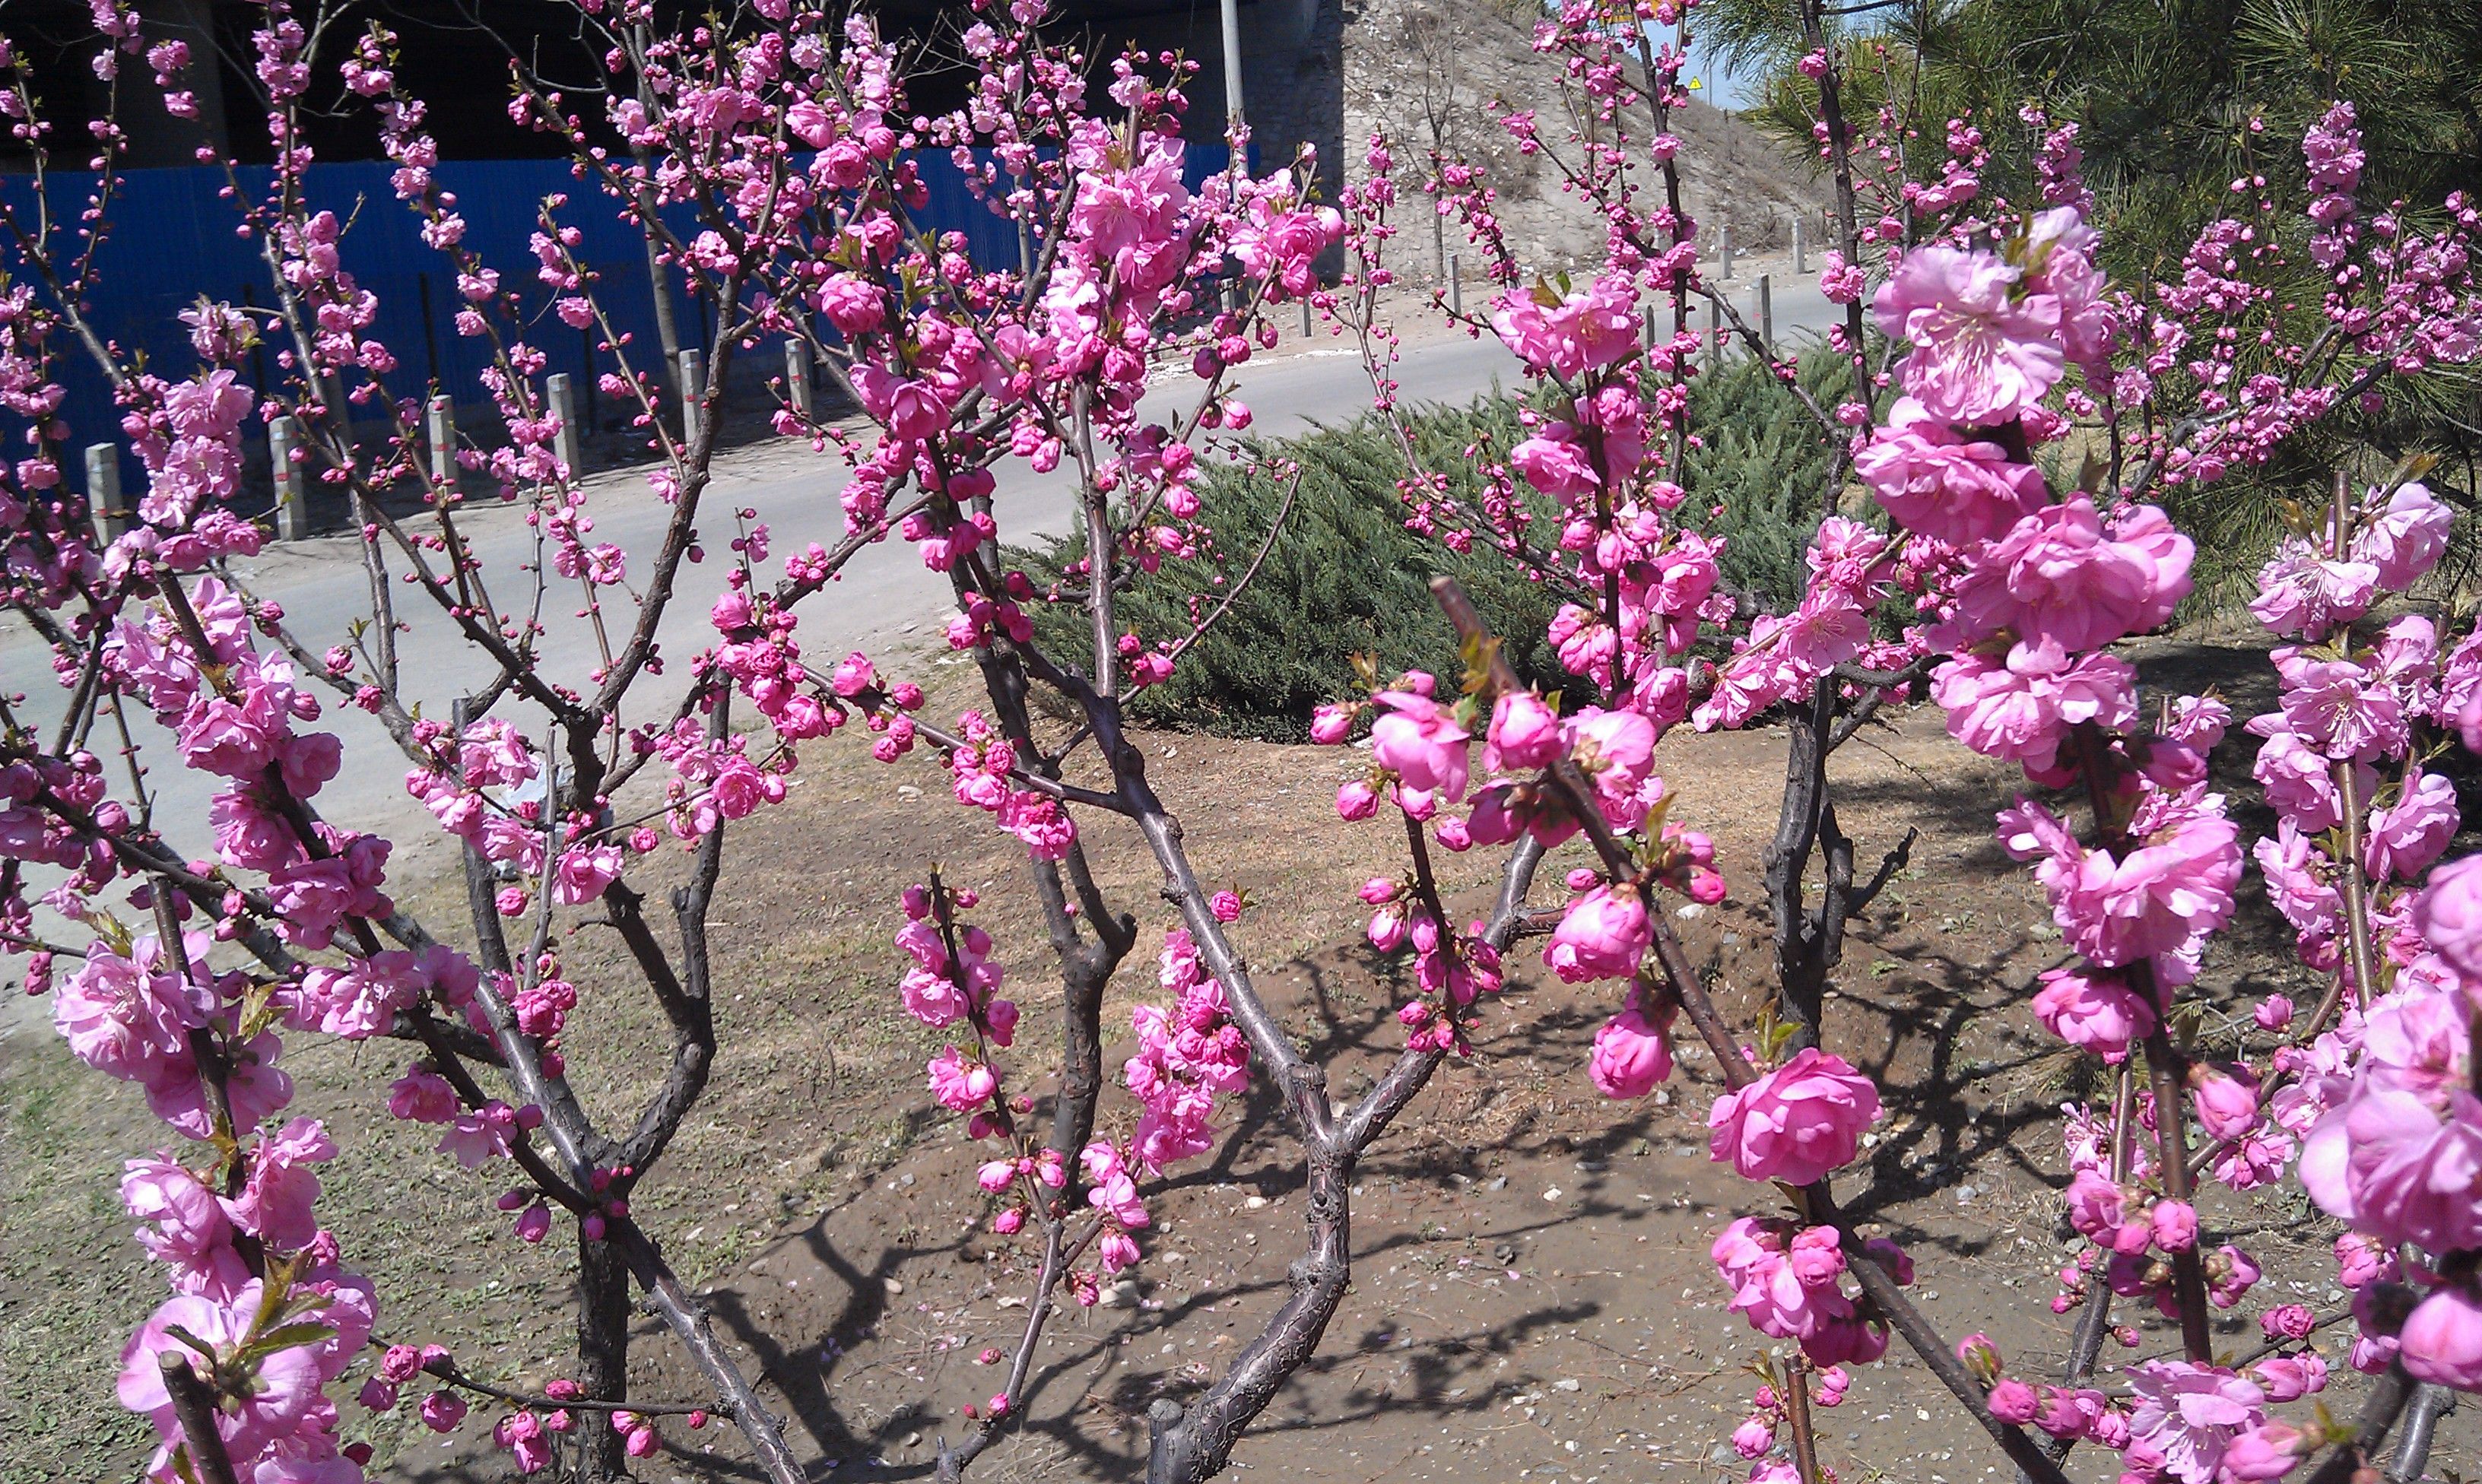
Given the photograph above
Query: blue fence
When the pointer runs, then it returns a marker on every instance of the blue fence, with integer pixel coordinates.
(171, 238)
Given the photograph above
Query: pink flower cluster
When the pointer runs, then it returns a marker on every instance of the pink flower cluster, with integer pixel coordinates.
(1189, 1053)
(1787, 1280)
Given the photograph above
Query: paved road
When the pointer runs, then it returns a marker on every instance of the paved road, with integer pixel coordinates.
(885, 603)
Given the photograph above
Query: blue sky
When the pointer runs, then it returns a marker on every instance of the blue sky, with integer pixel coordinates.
(1722, 88)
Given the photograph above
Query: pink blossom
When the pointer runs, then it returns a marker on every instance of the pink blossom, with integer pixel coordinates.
(1111, 1187)
(442, 1411)
(284, 1387)
(2395, 1168)
(2448, 913)
(1331, 724)
(483, 1134)
(2174, 1224)
(2013, 1401)
(1555, 463)
(2406, 836)
(2332, 706)
(2093, 1010)
(2301, 594)
(1420, 740)
(1979, 356)
(2098, 1209)
(1116, 1251)
(2300, 780)
(1569, 336)
(583, 871)
(2060, 249)
(2158, 900)
(124, 1016)
(2406, 538)
(1616, 750)
(2379, 1156)
(181, 1223)
(2267, 1451)
(910, 409)
(275, 1200)
(1602, 936)
(361, 1000)
(1797, 1122)
(1943, 484)
(959, 1083)
(1752, 1438)
(2226, 1105)
(1632, 1054)
(522, 1433)
(2189, 1415)
(2291, 1377)
(1524, 734)
(2023, 709)
(2066, 575)
(2441, 1342)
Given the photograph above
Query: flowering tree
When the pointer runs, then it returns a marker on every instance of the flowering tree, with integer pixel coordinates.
(791, 141)
(1998, 337)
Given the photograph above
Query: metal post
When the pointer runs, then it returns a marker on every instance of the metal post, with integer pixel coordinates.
(1799, 250)
(693, 390)
(1724, 252)
(796, 377)
(1456, 287)
(442, 426)
(1307, 328)
(558, 391)
(292, 511)
(1714, 335)
(1767, 314)
(1646, 324)
(103, 504)
(1232, 61)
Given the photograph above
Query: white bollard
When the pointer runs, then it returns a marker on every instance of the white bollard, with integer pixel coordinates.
(442, 426)
(1767, 315)
(1799, 250)
(1309, 327)
(292, 509)
(796, 377)
(1714, 335)
(1456, 286)
(559, 393)
(693, 390)
(103, 503)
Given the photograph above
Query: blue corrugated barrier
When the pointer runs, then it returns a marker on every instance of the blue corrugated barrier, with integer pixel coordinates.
(171, 238)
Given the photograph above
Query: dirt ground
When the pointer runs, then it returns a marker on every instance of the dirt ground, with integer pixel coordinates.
(1532, 1296)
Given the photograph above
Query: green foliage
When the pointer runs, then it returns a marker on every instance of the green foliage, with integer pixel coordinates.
(1759, 476)
(1345, 577)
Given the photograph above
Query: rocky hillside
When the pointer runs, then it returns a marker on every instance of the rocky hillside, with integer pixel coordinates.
(1427, 71)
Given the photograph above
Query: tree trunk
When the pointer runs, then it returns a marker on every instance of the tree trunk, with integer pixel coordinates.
(1809, 940)
(603, 1357)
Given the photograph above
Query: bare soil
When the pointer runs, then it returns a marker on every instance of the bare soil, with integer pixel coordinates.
(1532, 1295)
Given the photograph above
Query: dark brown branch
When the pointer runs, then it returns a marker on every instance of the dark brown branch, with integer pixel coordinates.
(2386, 1402)
(196, 1408)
